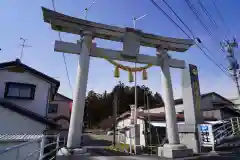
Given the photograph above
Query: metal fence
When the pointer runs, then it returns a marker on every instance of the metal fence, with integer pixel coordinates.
(49, 145)
(228, 130)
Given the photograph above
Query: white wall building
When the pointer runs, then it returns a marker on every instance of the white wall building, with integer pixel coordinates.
(213, 106)
(14, 119)
(26, 87)
(25, 94)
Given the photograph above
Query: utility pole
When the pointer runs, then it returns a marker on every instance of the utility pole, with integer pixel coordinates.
(115, 108)
(229, 46)
(23, 46)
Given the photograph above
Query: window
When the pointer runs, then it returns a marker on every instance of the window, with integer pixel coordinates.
(53, 108)
(19, 90)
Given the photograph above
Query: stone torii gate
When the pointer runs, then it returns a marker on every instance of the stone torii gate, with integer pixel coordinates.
(132, 39)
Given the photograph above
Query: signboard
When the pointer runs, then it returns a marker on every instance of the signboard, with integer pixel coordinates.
(206, 138)
(133, 116)
(195, 85)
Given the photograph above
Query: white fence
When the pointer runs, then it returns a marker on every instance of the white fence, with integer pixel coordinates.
(33, 149)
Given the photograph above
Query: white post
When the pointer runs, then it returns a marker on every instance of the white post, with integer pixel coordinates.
(76, 121)
(170, 113)
(130, 135)
(232, 124)
(57, 143)
(17, 156)
(238, 123)
(41, 154)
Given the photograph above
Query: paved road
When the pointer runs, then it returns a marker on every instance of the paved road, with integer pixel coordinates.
(96, 147)
(222, 157)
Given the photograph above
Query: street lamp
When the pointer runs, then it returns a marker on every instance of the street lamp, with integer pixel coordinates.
(135, 74)
(135, 81)
(136, 19)
(87, 9)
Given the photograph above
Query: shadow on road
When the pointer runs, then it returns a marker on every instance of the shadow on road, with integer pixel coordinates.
(88, 140)
(97, 146)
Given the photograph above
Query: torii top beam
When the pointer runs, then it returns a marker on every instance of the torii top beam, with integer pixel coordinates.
(64, 23)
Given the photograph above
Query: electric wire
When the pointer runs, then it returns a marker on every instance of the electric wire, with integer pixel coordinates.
(197, 15)
(221, 17)
(207, 13)
(204, 52)
(63, 55)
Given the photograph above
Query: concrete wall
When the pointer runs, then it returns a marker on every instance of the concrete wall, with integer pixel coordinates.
(12, 122)
(39, 104)
(22, 152)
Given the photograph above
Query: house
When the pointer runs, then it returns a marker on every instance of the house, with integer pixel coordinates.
(151, 126)
(236, 102)
(18, 120)
(29, 102)
(150, 130)
(59, 110)
(212, 105)
(27, 87)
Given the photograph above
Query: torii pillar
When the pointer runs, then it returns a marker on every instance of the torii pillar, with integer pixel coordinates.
(132, 39)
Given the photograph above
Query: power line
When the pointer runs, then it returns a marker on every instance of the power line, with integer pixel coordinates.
(191, 32)
(224, 68)
(178, 18)
(157, 6)
(193, 9)
(188, 29)
(185, 25)
(63, 55)
(221, 17)
(207, 13)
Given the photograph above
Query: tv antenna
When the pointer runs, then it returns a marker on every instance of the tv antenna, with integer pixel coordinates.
(23, 46)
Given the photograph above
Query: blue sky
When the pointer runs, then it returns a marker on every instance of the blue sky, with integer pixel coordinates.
(24, 19)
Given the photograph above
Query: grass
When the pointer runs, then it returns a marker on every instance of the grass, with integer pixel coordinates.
(120, 147)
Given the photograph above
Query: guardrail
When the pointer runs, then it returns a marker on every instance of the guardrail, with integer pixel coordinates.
(41, 154)
(229, 129)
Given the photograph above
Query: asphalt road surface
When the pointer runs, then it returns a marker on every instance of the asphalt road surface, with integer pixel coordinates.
(96, 146)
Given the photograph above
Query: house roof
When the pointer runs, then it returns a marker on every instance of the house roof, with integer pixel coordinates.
(216, 94)
(161, 117)
(18, 63)
(15, 108)
(158, 116)
(69, 99)
(108, 123)
(180, 100)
